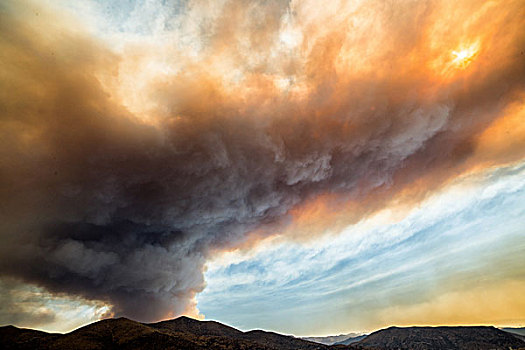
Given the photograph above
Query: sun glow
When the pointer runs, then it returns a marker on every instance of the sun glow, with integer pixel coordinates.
(464, 56)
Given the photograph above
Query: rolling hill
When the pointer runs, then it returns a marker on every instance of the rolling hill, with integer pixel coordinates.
(442, 338)
(181, 333)
(184, 333)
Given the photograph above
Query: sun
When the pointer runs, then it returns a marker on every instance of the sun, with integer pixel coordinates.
(463, 57)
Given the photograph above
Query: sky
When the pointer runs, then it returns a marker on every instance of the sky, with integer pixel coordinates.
(306, 169)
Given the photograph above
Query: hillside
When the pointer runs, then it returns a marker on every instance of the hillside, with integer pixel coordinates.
(442, 338)
(184, 333)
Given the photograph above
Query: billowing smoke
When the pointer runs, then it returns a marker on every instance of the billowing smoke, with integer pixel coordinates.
(100, 202)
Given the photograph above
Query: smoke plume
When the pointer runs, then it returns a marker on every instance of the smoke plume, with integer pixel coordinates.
(117, 183)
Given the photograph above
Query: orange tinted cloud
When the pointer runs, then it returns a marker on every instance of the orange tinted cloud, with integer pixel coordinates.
(499, 304)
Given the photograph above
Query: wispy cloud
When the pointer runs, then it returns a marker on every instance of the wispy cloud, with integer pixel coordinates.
(467, 236)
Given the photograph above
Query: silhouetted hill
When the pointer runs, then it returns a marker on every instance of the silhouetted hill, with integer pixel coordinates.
(184, 333)
(441, 338)
(17, 338)
(279, 341)
(185, 324)
(118, 333)
(115, 333)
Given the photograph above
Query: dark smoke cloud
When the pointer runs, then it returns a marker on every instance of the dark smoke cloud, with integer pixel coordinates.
(98, 204)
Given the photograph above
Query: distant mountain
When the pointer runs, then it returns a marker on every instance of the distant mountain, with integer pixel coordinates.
(351, 340)
(441, 338)
(519, 331)
(333, 339)
(184, 333)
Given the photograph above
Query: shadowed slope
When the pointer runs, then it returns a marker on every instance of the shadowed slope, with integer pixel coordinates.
(279, 341)
(185, 324)
(188, 334)
(182, 333)
(16, 338)
(442, 338)
(118, 333)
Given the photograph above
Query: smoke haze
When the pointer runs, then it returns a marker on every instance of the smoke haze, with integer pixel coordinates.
(119, 178)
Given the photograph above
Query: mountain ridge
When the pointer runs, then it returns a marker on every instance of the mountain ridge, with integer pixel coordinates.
(332, 339)
(442, 338)
(185, 333)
